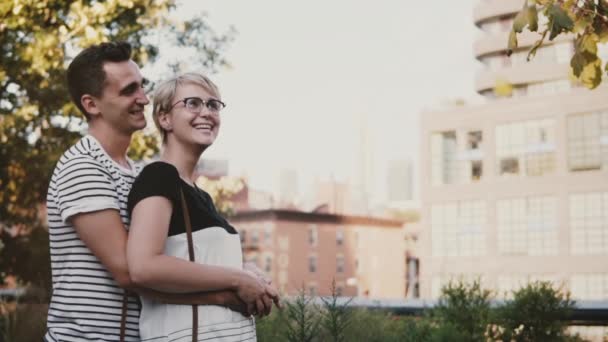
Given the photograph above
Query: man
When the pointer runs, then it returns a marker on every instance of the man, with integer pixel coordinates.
(87, 207)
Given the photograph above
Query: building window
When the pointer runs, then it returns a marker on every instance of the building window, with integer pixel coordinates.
(254, 237)
(243, 235)
(588, 141)
(339, 263)
(412, 283)
(312, 290)
(313, 235)
(458, 229)
(268, 235)
(339, 237)
(589, 223)
(589, 286)
(456, 158)
(527, 226)
(339, 290)
(444, 156)
(526, 148)
(312, 264)
(268, 264)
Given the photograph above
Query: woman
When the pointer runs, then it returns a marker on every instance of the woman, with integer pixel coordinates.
(186, 111)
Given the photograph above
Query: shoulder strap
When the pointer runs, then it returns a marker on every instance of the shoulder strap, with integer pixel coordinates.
(191, 255)
(188, 225)
(123, 319)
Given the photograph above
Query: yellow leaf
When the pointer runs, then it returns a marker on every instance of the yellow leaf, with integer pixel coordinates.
(512, 44)
(503, 88)
(591, 76)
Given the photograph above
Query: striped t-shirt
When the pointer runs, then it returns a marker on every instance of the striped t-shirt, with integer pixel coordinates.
(86, 303)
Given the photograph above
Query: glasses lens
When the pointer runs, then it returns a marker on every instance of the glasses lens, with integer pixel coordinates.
(194, 104)
(214, 105)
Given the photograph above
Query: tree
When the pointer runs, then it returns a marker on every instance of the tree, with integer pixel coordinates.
(222, 191)
(464, 308)
(586, 19)
(37, 120)
(537, 312)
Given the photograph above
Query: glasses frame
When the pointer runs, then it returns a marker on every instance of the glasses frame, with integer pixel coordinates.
(204, 102)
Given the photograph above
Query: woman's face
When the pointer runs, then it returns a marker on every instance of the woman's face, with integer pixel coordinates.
(191, 120)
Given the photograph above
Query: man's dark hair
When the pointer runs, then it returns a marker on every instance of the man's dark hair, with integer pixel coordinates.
(86, 75)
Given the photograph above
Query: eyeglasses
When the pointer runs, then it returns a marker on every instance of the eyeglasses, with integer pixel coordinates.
(195, 105)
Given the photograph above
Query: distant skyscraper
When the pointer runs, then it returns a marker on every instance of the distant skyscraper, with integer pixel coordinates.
(399, 180)
(288, 188)
(363, 182)
(212, 168)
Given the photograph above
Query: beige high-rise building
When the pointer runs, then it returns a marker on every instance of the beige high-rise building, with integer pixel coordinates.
(516, 189)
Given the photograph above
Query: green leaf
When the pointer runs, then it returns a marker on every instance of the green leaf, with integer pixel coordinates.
(577, 63)
(559, 21)
(591, 76)
(512, 45)
(521, 20)
(532, 15)
(588, 43)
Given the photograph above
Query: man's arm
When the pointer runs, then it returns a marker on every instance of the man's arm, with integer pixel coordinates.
(104, 233)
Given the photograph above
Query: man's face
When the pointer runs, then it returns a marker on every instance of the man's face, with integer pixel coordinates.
(122, 102)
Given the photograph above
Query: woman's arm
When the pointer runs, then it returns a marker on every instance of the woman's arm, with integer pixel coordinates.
(149, 267)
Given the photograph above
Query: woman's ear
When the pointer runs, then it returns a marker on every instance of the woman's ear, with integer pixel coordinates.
(164, 120)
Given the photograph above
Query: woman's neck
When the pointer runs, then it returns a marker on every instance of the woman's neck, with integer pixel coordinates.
(184, 158)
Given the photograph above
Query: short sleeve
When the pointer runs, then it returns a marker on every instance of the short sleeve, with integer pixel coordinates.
(84, 185)
(156, 179)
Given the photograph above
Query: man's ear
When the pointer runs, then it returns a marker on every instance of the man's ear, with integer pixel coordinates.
(164, 120)
(90, 105)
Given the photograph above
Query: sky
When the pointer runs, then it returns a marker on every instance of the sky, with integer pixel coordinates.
(308, 77)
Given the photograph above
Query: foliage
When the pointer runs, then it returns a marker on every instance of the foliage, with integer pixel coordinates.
(466, 307)
(221, 191)
(463, 314)
(336, 316)
(26, 256)
(301, 319)
(37, 120)
(587, 19)
(537, 312)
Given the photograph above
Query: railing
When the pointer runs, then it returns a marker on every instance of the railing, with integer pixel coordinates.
(585, 313)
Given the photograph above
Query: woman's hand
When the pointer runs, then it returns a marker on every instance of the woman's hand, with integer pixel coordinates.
(272, 295)
(251, 290)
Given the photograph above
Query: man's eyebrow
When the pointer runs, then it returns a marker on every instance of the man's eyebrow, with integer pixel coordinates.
(129, 88)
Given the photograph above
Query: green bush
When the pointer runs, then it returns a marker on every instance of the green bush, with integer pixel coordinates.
(537, 312)
(463, 314)
(25, 323)
(466, 308)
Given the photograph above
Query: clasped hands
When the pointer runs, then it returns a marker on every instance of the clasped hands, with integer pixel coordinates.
(256, 293)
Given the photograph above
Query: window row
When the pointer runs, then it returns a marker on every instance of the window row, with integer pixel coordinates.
(524, 226)
(526, 148)
(591, 286)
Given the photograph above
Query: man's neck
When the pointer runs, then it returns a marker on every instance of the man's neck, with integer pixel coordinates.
(114, 143)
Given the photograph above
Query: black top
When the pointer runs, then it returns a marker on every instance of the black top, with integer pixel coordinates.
(162, 179)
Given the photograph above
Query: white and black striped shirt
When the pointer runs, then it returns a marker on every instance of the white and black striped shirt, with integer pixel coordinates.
(86, 304)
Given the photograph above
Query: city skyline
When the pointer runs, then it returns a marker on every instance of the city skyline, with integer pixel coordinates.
(309, 86)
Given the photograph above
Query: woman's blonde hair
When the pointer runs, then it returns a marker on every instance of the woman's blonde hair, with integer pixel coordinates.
(165, 92)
